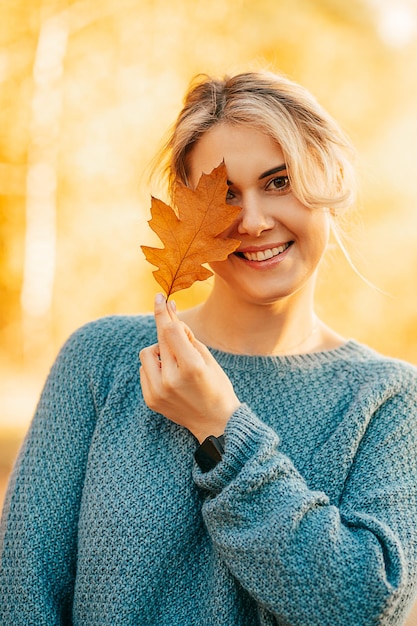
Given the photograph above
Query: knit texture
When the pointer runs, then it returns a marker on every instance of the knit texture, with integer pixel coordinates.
(309, 519)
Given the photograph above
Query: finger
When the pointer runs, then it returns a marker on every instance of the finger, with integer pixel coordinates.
(179, 340)
(162, 307)
(162, 314)
(172, 334)
(149, 351)
(172, 310)
(174, 337)
(202, 349)
(163, 322)
(150, 359)
(147, 388)
(150, 372)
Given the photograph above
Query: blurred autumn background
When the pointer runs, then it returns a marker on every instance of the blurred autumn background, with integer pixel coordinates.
(87, 91)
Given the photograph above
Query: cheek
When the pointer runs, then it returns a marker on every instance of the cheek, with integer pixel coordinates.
(217, 267)
(223, 269)
(320, 226)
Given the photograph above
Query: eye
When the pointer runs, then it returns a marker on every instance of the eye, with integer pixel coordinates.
(230, 195)
(279, 183)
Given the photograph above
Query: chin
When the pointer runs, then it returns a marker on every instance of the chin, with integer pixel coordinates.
(266, 293)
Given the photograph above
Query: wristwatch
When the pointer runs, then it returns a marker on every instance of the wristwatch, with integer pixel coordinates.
(210, 452)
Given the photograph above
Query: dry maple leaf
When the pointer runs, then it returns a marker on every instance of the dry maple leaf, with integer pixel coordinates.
(194, 237)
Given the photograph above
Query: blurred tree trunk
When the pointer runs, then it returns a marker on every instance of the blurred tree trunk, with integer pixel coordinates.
(41, 182)
(19, 28)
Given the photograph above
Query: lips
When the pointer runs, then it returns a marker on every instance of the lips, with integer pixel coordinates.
(265, 254)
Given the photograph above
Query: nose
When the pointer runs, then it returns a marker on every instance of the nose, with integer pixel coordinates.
(254, 219)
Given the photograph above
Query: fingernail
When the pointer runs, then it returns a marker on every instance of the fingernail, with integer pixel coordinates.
(173, 306)
(159, 298)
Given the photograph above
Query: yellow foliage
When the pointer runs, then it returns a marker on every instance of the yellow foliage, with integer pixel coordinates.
(87, 91)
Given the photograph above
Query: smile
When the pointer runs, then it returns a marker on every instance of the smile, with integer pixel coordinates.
(264, 255)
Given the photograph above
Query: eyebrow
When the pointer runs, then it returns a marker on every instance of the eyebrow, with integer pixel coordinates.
(274, 170)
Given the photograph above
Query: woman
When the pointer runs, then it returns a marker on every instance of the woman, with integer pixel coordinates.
(263, 468)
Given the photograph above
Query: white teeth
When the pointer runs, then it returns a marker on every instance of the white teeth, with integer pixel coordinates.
(262, 255)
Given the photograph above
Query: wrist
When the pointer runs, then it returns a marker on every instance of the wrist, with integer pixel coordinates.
(201, 436)
(216, 426)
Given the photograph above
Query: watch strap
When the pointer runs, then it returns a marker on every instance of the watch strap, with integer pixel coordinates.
(209, 453)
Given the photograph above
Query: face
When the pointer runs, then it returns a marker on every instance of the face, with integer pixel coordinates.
(282, 241)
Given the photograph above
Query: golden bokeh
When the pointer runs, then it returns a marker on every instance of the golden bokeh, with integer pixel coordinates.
(87, 91)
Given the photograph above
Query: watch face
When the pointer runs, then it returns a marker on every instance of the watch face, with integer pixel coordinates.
(209, 453)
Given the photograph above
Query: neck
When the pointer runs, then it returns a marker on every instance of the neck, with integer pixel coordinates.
(287, 326)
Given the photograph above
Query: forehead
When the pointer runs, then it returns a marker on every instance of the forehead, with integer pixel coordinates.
(246, 151)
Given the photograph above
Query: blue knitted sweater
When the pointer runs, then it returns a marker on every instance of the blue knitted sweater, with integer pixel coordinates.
(309, 519)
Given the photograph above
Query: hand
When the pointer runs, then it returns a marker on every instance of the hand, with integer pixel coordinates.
(181, 379)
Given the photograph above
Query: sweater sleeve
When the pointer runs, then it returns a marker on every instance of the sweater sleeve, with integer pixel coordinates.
(38, 530)
(303, 559)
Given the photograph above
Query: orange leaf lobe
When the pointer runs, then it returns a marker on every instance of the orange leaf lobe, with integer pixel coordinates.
(194, 237)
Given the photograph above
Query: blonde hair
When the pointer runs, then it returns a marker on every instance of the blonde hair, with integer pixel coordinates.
(318, 155)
